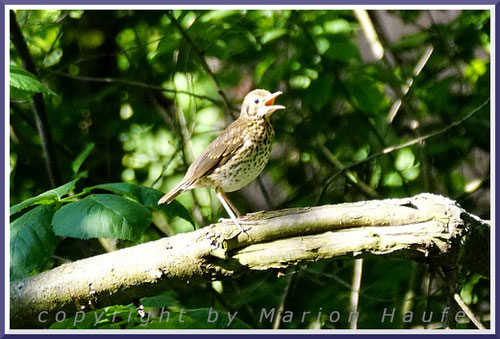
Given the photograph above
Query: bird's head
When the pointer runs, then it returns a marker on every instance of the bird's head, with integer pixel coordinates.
(259, 103)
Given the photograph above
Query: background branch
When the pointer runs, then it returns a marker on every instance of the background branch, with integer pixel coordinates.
(426, 227)
(204, 64)
(39, 111)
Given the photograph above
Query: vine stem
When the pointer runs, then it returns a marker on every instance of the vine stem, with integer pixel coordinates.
(39, 111)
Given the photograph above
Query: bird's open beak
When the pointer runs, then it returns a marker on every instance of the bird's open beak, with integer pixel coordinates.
(269, 103)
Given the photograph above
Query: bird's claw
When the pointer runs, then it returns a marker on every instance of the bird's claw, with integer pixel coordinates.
(241, 221)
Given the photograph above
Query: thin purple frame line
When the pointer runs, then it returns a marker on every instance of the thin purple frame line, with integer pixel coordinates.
(497, 169)
(2, 171)
(252, 2)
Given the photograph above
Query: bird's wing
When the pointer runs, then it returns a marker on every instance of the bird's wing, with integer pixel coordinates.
(218, 152)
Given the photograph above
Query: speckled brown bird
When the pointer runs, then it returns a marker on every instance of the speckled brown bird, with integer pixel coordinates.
(237, 156)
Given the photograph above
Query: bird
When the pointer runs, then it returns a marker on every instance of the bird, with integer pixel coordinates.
(237, 156)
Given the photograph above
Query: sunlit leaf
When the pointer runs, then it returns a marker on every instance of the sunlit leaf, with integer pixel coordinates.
(45, 198)
(26, 81)
(102, 216)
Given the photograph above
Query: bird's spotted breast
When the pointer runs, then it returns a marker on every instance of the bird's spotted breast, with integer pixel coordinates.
(249, 162)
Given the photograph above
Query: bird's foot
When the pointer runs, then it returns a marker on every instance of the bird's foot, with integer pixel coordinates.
(241, 220)
(238, 222)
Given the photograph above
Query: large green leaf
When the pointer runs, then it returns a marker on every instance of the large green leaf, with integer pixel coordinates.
(102, 216)
(366, 92)
(32, 241)
(26, 81)
(177, 215)
(45, 198)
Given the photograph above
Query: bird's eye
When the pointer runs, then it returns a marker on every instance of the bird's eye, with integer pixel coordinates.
(256, 101)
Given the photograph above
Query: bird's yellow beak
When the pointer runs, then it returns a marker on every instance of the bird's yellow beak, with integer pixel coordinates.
(269, 103)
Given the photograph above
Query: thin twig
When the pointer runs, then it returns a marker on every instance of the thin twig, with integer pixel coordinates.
(356, 285)
(265, 194)
(468, 311)
(286, 292)
(427, 282)
(370, 33)
(204, 64)
(349, 175)
(134, 83)
(392, 61)
(409, 82)
(409, 143)
(345, 284)
(348, 95)
(388, 58)
(185, 140)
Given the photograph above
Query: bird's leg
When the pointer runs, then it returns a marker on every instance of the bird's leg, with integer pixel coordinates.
(241, 219)
(228, 209)
(235, 210)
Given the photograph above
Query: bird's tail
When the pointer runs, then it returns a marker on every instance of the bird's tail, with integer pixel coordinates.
(167, 198)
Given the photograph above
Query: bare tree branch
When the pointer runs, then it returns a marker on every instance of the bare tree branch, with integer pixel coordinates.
(134, 83)
(426, 227)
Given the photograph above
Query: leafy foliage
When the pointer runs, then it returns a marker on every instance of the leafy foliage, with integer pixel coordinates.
(23, 84)
(48, 197)
(137, 100)
(102, 216)
(32, 241)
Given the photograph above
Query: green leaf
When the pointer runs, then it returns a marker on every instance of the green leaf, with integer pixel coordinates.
(117, 316)
(178, 217)
(411, 41)
(272, 35)
(218, 49)
(45, 198)
(366, 92)
(53, 58)
(32, 241)
(261, 69)
(20, 94)
(342, 49)
(337, 26)
(26, 81)
(167, 46)
(112, 317)
(320, 91)
(77, 163)
(102, 216)
(219, 16)
(405, 159)
(167, 298)
(393, 179)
